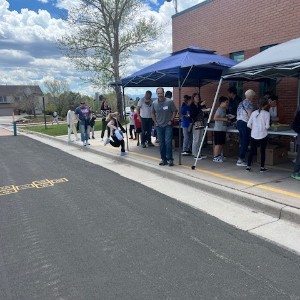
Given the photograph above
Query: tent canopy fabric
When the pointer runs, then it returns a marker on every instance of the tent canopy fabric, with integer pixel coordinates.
(192, 67)
(282, 60)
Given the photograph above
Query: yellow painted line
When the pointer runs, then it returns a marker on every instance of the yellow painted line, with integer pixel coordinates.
(245, 182)
(283, 192)
(38, 184)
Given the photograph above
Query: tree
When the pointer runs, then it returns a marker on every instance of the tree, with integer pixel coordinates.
(55, 88)
(26, 99)
(104, 33)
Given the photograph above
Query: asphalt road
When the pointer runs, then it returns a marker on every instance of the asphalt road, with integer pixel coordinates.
(73, 230)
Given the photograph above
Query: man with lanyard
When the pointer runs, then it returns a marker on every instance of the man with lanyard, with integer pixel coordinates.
(163, 114)
(83, 115)
(144, 113)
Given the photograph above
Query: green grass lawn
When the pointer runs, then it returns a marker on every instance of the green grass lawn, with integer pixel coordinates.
(56, 129)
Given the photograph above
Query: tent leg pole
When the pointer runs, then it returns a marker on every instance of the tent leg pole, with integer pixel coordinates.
(179, 127)
(298, 103)
(123, 95)
(208, 121)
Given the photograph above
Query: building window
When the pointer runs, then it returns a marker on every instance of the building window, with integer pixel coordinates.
(3, 99)
(269, 85)
(238, 57)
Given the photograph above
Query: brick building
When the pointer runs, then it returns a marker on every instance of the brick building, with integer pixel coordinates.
(240, 29)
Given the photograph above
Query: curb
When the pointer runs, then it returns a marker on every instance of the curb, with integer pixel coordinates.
(260, 204)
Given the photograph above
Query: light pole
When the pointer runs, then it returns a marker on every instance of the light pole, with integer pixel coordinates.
(174, 3)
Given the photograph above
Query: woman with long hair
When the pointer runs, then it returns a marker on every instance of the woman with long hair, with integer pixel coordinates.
(117, 132)
(259, 123)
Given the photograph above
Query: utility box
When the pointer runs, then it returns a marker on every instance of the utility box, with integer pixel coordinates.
(275, 154)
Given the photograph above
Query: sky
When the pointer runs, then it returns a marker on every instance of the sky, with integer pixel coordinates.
(29, 54)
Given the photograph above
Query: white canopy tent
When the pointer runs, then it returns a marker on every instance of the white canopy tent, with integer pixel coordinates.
(279, 61)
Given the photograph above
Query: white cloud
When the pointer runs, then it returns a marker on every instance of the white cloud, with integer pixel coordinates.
(28, 53)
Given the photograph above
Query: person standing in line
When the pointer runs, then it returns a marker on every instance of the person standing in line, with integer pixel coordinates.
(296, 127)
(92, 124)
(71, 124)
(259, 123)
(220, 129)
(137, 127)
(163, 114)
(117, 132)
(169, 95)
(187, 125)
(144, 111)
(105, 110)
(234, 101)
(244, 111)
(197, 116)
(131, 123)
(83, 115)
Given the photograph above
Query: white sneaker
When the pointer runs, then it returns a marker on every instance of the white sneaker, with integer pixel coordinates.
(106, 141)
(218, 159)
(241, 163)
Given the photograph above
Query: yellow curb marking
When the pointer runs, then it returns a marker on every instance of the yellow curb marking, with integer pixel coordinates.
(248, 183)
(39, 184)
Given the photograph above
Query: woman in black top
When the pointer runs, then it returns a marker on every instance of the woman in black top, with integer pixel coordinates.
(105, 110)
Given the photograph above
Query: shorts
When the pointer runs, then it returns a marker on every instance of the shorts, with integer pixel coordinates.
(138, 130)
(220, 137)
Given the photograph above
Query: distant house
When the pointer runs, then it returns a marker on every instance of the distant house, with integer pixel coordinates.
(17, 98)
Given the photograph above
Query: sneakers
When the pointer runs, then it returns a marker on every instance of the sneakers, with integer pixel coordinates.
(107, 141)
(163, 162)
(241, 163)
(123, 153)
(87, 144)
(150, 145)
(143, 145)
(170, 163)
(93, 137)
(296, 176)
(218, 159)
(248, 168)
(185, 153)
(262, 170)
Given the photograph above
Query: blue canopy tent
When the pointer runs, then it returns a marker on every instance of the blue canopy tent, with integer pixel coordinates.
(190, 67)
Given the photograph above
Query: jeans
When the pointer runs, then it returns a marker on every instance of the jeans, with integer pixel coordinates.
(254, 144)
(197, 138)
(85, 131)
(297, 163)
(245, 133)
(187, 139)
(146, 130)
(165, 136)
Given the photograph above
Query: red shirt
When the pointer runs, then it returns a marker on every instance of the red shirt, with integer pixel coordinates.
(137, 121)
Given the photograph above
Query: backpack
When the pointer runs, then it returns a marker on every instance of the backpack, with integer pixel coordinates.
(296, 124)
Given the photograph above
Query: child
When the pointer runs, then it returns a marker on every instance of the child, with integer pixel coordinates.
(138, 127)
(132, 122)
(220, 128)
(117, 132)
(259, 123)
(92, 124)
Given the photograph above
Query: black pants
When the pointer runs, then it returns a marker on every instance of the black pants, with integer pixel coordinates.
(117, 143)
(131, 129)
(262, 143)
(104, 126)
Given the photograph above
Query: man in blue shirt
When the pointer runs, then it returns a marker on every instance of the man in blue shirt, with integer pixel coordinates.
(83, 115)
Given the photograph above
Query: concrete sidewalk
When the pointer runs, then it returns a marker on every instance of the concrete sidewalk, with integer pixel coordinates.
(274, 192)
